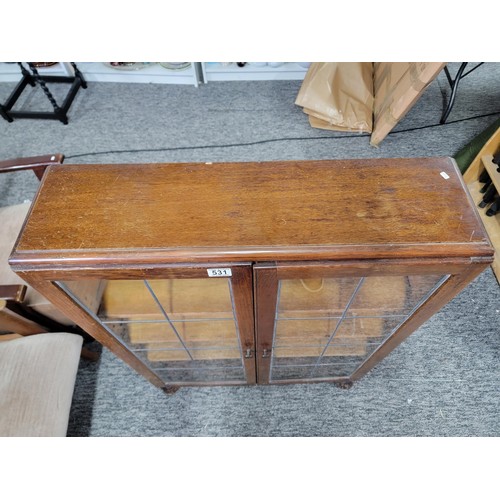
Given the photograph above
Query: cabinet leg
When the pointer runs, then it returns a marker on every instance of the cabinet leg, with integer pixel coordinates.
(89, 355)
(344, 384)
(170, 389)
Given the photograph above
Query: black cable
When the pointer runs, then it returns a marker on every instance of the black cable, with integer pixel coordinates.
(214, 146)
(447, 123)
(471, 70)
(268, 141)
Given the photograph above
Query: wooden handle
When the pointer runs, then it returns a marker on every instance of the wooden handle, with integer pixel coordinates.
(11, 321)
(36, 163)
(13, 293)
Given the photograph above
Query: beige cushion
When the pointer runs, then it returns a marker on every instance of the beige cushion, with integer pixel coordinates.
(11, 221)
(37, 379)
(89, 291)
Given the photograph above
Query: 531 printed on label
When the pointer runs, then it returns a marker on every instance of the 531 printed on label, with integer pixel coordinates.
(220, 272)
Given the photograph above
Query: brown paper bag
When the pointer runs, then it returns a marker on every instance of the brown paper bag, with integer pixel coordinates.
(345, 96)
(318, 123)
(397, 87)
(338, 96)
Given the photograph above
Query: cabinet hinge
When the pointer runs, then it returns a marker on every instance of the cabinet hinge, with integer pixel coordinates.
(249, 353)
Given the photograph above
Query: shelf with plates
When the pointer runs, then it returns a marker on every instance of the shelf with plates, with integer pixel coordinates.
(167, 73)
(10, 72)
(140, 73)
(218, 71)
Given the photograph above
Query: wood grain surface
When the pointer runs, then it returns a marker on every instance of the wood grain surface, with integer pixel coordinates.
(290, 210)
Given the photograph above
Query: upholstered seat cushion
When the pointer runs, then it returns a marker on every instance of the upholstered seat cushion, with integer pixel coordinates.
(12, 219)
(37, 380)
(90, 291)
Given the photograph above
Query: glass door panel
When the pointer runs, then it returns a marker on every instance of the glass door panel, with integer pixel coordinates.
(391, 295)
(318, 297)
(184, 330)
(179, 298)
(128, 300)
(327, 327)
(300, 332)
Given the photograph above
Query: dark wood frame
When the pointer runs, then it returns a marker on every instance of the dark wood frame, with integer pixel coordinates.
(267, 276)
(255, 295)
(36, 163)
(14, 315)
(46, 281)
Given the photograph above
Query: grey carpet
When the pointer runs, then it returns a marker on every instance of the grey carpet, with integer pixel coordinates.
(442, 381)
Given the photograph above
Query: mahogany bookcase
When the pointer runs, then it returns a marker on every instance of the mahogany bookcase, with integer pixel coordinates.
(244, 273)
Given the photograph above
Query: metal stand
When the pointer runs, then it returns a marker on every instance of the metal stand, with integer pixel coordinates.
(454, 85)
(34, 78)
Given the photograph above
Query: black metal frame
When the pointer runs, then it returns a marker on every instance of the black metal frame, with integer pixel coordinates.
(34, 78)
(454, 86)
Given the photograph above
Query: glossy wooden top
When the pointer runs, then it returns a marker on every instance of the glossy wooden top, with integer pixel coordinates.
(288, 210)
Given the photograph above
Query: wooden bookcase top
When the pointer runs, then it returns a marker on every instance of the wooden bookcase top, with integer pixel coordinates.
(265, 211)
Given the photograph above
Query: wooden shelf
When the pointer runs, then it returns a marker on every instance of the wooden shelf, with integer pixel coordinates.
(194, 299)
(484, 161)
(491, 168)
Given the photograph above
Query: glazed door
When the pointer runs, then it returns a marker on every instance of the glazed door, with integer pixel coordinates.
(187, 326)
(331, 322)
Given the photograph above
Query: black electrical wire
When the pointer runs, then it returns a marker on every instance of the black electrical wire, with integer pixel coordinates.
(268, 141)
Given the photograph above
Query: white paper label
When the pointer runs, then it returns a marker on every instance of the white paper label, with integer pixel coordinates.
(219, 273)
(444, 175)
